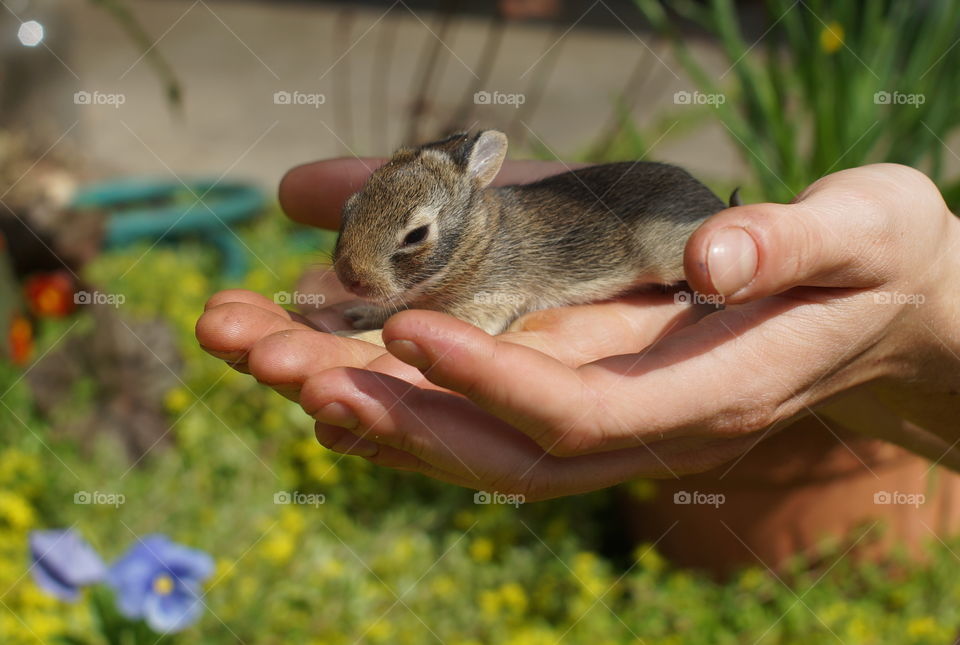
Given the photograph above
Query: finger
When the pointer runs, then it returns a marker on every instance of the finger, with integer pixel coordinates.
(314, 193)
(526, 388)
(285, 359)
(753, 251)
(228, 330)
(245, 297)
(579, 334)
(344, 442)
(450, 439)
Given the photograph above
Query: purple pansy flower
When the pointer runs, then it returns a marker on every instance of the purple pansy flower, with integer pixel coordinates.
(159, 581)
(62, 562)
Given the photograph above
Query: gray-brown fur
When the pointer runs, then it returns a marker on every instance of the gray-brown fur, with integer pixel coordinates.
(493, 254)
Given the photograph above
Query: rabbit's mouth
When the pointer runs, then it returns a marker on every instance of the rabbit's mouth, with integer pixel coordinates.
(411, 294)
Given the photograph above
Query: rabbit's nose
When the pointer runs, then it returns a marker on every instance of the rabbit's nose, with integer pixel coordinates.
(351, 282)
(358, 288)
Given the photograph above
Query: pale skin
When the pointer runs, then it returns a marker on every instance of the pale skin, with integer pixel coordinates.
(843, 304)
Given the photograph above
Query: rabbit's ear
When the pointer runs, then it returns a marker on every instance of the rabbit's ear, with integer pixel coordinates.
(486, 156)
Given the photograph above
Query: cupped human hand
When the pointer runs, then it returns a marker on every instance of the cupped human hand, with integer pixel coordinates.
(821, 303)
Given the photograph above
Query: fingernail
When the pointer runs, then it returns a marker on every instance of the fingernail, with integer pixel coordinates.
(335, 439)
(337, 414)
(409, 352)
(357, 447)
(731, 260)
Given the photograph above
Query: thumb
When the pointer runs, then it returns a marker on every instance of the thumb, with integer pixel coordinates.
(753, 251)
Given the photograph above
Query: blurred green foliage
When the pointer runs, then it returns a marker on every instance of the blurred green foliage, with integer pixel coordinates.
(829, 85)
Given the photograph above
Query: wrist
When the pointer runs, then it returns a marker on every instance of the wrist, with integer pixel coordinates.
(937, 317)
(923, 382)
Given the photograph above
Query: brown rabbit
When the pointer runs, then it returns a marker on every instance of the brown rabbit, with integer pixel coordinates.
(427, 232)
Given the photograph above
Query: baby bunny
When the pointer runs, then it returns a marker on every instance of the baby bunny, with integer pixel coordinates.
(428, 232)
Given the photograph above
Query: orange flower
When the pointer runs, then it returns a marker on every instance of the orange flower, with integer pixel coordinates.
(50, 294)
(21, 340)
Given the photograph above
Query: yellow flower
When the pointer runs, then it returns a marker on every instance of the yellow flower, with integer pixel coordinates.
(514, 597)
(831, 38)
(403, 549)
(920, 627)
(43, 625)
(533, 636)
(586, 569)
(248, 587)
(16, 511)
(225, 570)
(490, 604)
(642, 489)
(332, 569)
(31, 596)
(648, 559)
(316, 459)
(278, 546)
(193, 284)
(19, 471)
(464, 520)
(322, 470)
(481, 550)
(177, 400)
(379, 631)
(858, 631)
(752, 579)
(443, 586)
(273, 420)
(291, 520)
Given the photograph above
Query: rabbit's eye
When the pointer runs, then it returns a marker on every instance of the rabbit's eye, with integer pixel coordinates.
(418, 234)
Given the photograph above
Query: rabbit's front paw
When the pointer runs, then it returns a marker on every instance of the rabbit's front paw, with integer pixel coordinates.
(366, 316)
